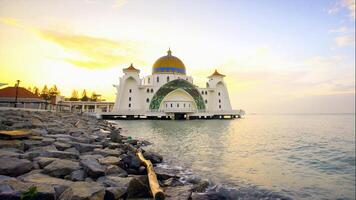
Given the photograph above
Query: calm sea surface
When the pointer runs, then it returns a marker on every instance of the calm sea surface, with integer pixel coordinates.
(295, 156)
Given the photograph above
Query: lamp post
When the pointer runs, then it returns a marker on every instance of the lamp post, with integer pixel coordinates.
(17, 91)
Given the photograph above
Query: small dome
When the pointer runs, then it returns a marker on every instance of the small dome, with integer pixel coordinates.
(168, 64)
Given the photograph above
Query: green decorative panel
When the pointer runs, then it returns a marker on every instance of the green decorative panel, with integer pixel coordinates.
(173, 85)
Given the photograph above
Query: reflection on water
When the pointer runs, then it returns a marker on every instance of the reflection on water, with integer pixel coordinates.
(298, 156)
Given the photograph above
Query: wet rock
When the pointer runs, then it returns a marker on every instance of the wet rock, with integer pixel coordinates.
(138, 188)
(110, 160)
(48, 141)
(83, 147)
(200, 186)
(89, 156)
(14, 166)
(178, 192)
(114, 193)
(83, 191)
(130, 161)
(93, 168)
(72, 150)
(78, 175)
(61, 168)
(62, 146)
(108, 152)
(172, 182)
(118, 171)
(164, 173)
(153, 157)
(207, 196)
(113, 145)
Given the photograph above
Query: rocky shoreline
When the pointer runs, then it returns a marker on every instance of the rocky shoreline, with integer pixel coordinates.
(70, 156)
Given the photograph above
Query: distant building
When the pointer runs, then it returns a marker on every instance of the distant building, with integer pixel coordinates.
(169, 93)
(25, 98)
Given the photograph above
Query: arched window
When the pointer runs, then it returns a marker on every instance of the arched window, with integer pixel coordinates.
(148, 90)
(129, 105)
(167, 78)
(219, 106)
(202, 92)
(149, 80)
(130, 90)
(177, 105)
(206, 92)
(151, 90)
(157, 79)
(206, 101)
(147, 100)
(219, 93)
(129, 98)
(219, 100)
(171, 105)
(184, 105)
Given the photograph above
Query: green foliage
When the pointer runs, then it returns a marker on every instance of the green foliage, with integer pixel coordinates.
(30, 194)
(173, 85)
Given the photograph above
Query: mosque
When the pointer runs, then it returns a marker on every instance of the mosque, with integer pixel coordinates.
(168, 93)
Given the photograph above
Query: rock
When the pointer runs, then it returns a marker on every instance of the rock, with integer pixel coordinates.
(44, 161)
(113, 145)
(208, 196)
(114, 181)
(139, 188)
(82, 147)
(72, 150)
(27, 144)
(110, 160)
(48, 141)
(44, 179)
(114, 193)
(11, 144)
(115, 136)
(108, 152)
(178, 192)
(164, 173)
(14, 166)
(59, 154)
(43, 191)
(62, 146)
(61, 168)
(130, 161)
(10, 152)
(118, 171)
(97, 157)
(78, 175)
(83, 191)
(172, 182)
(93, 168)
(201, 186)
(153, 157)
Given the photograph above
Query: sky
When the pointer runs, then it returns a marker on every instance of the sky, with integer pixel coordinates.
(278, 56)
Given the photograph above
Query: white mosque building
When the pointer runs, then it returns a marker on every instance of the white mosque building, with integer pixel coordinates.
(168, 93)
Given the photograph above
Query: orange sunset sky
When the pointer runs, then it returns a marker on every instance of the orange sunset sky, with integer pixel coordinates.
(279, 56)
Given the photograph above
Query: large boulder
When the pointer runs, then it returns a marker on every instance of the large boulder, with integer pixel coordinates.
(164, 173)
(62, 146)
(115, 181)
(44, 161)
(114, 193)
(44, 179)
(93, 168)
(78, 175)
(60, 154)
(61, 168)
(14, 166)
(108, 152)
(118, 171)
(139, 188)
(83, 191)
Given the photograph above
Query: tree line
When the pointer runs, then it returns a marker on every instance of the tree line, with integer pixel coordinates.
(48, 93)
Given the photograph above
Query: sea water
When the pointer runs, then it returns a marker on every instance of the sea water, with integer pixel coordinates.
(309, 156)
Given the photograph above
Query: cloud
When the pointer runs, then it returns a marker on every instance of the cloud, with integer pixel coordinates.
(345, 40)
(339, 30)
(343, 4)
(119, 3)
(83, 50)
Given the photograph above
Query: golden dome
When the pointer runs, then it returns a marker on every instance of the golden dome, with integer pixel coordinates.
(168, 64)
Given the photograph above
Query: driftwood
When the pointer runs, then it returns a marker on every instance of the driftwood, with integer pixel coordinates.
(156, 190)
(15, 134)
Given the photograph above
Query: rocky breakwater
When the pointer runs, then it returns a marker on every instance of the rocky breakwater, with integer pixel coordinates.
(68, 156)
